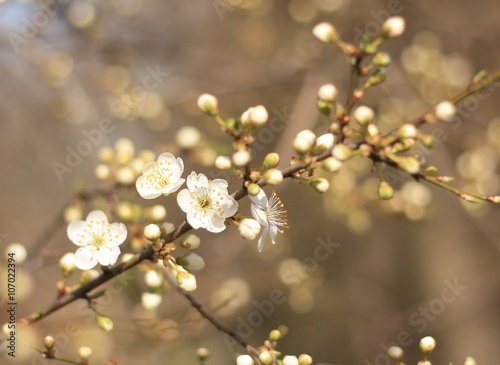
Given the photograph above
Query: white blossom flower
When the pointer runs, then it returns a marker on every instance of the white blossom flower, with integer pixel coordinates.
(99, 240)
(161, 177)
(206, 203)
(270, 214)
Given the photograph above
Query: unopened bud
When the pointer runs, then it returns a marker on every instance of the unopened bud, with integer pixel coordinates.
(427, 344)
(470, 361)
(266, 357)
(341, 152)
(427, 140)
(271, 160)
(249, 228)
(244, 360)
(190, 242)
(274, 335)
(203, 353)
(253, 189)
(304, 141)
(223, 162)
(152, 232)
(409, 164)
(385, 191)
(407, 131)
(105, 323)
(191, 262)
(186, 281)
(363, 115)
(241, 158)
(290, 360)
(395, 353)
(67, 263)
(381, 59)
(326, 33)
(153, 279)
(319, 185)
(102, 172)
(188, 137)
(49, 342)
(305, 359)
(273, 177)
(85, 353)
(208, 104)
(445, 111)
(376, 78)
(256, 116)
(331, 164)
(393, 27)
(328, 93)
(323, 143)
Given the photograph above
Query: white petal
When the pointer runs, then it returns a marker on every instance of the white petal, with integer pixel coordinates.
(184, 199)
(118, 233)
(107, 255)
(259, 215)
(194, 220)
(262, 240)
(167, 157)
(219, 184)
(273, 231)
(145, 190)
(196, 180)
(174, 186)
(260, 199)
(76, 232)
(85, 257)
(216, 225)
(97, 216)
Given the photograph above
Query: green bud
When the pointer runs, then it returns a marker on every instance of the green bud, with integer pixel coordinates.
(427, 141)
(203, 353)
(266, 357)
(305, 359)
(271, 160)
(381, 59)
(190, 242)
(253, 189)
(325, 107)
(274, 335)
(407, 131)
(385, 191)
(341, 152)
(409, 164)
(319, 185)
(376, 78)
(395, 353)
(105, 323)
(49, 342)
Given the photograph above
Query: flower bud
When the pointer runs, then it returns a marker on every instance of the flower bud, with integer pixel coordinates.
(376, 78)
(409, 164)
(385, 191)
(427, 344)
(125, 175)
(208, 104)
(186, 281)
(305, 359)
(395, 353)
(407, 131)
(49, 342)
(275, 335)
(363, 115)
(323, 143)
(87, 276)
(393, 27)
(304, 141)
(341, 152)
(125, 151)
(253, 189)
(249, 228)
(153, 279)
(328, 93)
(84, 353)
(187, 137)
(191, 262)
(105, 323)
(427, 140)
(203, 353)
(152, 232)
(106, 154)
(271, 160)
(319, 185)
(190, 242)
(331, 164)
(266, 357)
(445, 111)
(326, 33)
(273, 177)
(223, 162)
(256, 116)
(290, 360)
(151, 301)
(241, 158)
(244, 360)
(102, 172)
(381, 59)
(470, 361)
(67, 263)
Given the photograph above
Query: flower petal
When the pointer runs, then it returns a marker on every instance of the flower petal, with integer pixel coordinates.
(196, 180)
(146, 190)
(260, 199)
(173, 187)
(85, 257)
(118, 233)
(107, 255)
(76, 232)
(184, 200)
(259, 215)
(262, 240)
(97, 216)
(216, 225)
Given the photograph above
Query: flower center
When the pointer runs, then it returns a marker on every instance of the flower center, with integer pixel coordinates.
(98, 240)
(204, 202)
(275, 212)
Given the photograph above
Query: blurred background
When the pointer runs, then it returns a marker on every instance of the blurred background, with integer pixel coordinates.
(82, 75)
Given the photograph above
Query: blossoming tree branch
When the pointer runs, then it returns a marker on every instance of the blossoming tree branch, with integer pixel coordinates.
(350, 130)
